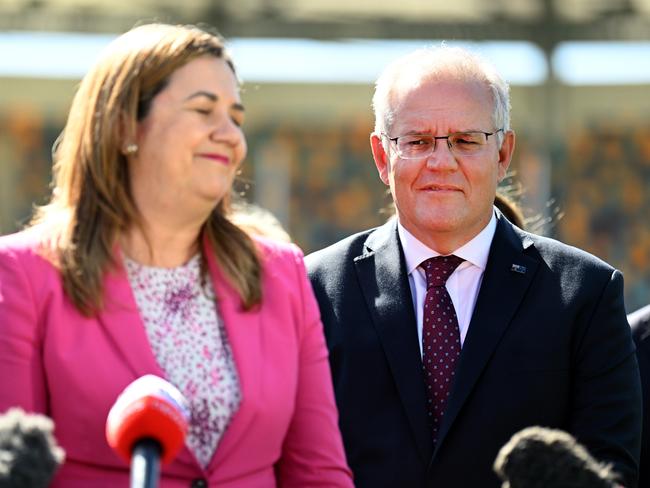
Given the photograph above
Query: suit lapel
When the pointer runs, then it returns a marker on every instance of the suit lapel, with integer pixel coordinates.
(384, 283)
(508, 275)
(122, 325)
(243, 332)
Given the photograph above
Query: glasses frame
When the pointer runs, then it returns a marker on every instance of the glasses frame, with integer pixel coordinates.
(436, 138)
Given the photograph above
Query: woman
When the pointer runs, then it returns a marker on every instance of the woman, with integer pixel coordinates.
(134, 268)
(510, 208)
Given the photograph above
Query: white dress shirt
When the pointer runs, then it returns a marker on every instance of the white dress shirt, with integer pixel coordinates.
(464, 282)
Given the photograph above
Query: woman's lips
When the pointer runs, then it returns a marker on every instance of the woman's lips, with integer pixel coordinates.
(220, 158)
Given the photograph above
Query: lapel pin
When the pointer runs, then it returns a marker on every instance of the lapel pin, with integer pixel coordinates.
(518, 268)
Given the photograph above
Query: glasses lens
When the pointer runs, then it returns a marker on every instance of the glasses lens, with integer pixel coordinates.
(467, 142)
(415, 146)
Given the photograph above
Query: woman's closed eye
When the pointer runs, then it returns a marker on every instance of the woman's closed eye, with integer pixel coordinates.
(203, 110)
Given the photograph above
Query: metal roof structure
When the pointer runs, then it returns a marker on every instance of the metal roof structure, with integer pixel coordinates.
(544, 22)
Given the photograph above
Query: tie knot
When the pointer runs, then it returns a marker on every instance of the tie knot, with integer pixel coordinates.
(439, 269)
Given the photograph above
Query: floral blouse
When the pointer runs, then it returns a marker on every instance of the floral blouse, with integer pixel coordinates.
(190, 343)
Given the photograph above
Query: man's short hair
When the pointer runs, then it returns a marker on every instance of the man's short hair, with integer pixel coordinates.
(442, 62)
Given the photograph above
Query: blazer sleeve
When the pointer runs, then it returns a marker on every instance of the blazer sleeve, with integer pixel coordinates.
(312, 452)
(21, 366)
(607, 393)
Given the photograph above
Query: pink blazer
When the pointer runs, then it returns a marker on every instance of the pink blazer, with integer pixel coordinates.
(55, 361)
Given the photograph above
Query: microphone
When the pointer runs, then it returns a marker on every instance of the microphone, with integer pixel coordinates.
(147, 425)
(538, 457)
(29, 454)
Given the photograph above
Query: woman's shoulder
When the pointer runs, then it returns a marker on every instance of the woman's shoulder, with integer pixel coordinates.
(27, 246)
(27, 278)
(281, 260)
(273, 249)
(23, 242)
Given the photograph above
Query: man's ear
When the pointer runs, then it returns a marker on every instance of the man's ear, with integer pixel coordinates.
(505, 153)
(381, 157)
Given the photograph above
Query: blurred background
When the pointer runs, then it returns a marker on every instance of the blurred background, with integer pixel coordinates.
(579, 73)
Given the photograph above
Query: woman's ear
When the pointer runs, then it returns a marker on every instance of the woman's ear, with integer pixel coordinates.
(127, 134)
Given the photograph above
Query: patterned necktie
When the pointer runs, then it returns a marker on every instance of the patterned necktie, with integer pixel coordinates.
(440, 337)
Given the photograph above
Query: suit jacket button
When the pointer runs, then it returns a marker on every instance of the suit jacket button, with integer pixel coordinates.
(199, 483)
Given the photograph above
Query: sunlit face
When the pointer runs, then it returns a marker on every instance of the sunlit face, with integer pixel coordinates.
(443, 200)
(190, 144)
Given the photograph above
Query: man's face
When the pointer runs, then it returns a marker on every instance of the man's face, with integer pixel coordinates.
(444, 200)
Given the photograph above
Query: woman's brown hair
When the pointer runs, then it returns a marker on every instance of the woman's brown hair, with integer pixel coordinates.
(91, 200)
(510, 208)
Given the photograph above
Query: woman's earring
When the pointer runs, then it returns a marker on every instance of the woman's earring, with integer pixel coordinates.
(131, 149)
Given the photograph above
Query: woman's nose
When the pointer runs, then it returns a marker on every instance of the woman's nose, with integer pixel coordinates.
(226, 130)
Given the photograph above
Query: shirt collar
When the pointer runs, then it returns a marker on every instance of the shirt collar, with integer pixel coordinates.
(475, 251)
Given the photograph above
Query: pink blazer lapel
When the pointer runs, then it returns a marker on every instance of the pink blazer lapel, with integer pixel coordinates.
(122, 324)
(243, 329)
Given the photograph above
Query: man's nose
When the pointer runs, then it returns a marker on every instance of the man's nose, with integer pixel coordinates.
(442, 156)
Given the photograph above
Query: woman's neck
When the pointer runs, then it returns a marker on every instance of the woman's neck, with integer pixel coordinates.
(161, 246)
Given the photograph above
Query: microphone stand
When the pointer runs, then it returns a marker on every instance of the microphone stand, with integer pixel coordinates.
(145, 464)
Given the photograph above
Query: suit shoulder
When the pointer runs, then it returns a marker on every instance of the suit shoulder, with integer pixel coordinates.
(25, 246)
(561, 256)
(276, 254)
(20, 242)
(269, 247)
(340, 252)
(24, 269)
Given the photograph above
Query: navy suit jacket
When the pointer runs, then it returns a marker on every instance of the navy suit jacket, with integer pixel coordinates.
(640, 323)
(548, 344)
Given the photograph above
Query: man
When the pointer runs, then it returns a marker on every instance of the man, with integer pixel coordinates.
(438, 362)
(640, 323)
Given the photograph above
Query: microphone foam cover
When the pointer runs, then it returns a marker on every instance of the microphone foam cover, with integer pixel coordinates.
(539, 457)
(29, 453)
(152, 408)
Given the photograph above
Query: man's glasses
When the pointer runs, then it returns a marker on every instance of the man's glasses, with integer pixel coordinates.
(416, 146)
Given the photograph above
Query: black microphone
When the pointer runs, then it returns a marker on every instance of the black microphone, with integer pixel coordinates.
(538, 457)
(29, 454)
(147, 425)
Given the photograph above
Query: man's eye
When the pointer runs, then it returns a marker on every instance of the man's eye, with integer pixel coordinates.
(467, 140)
(203, 111)
(418, 142)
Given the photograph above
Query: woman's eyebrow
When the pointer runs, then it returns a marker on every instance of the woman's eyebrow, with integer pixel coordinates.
(201, 93)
